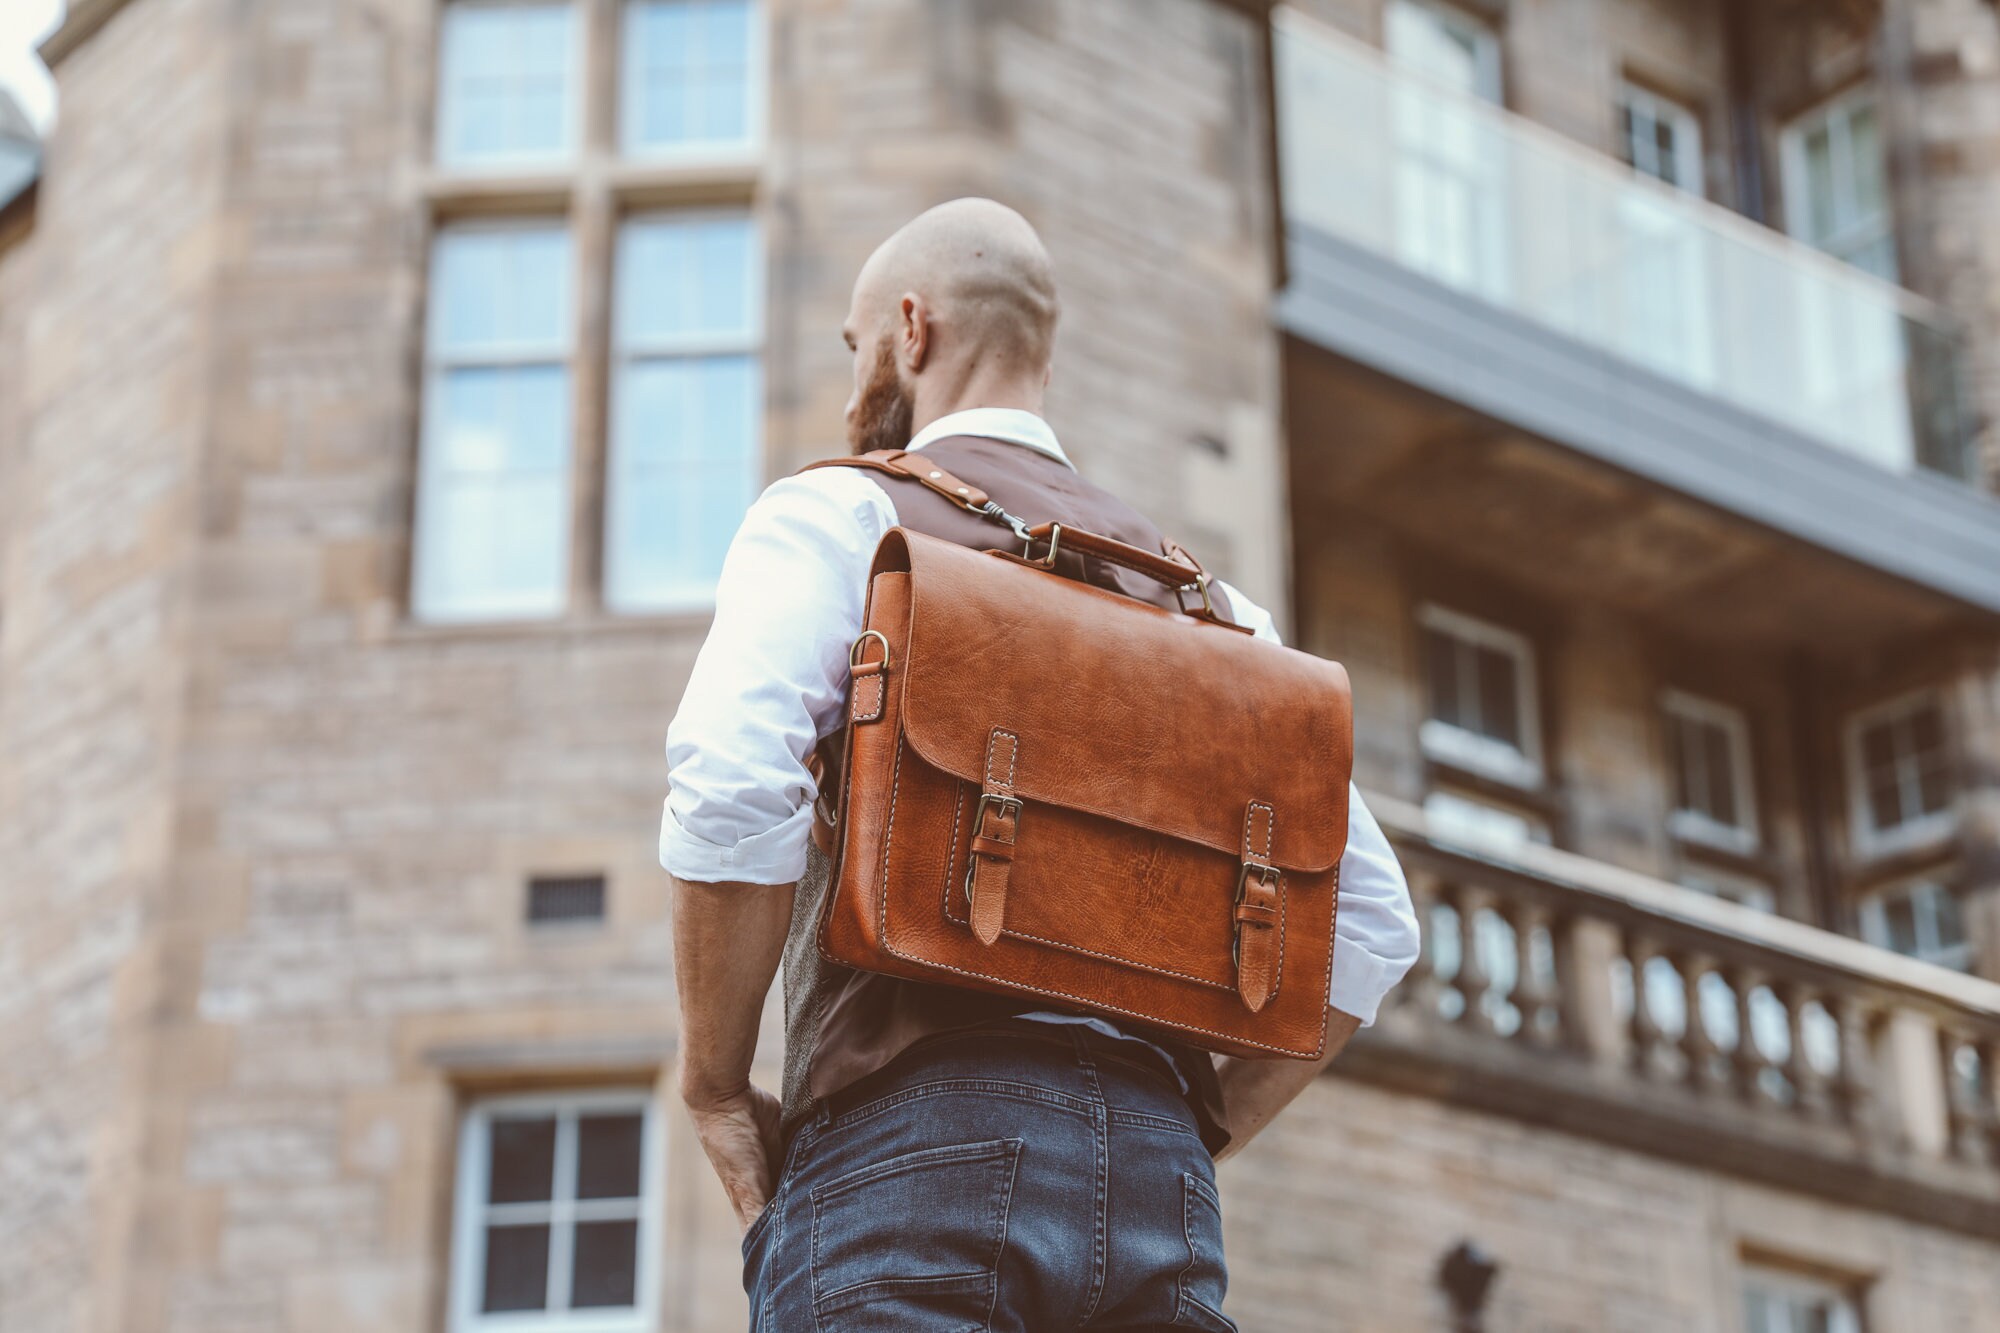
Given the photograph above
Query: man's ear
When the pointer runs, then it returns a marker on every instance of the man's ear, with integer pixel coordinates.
(913, 336)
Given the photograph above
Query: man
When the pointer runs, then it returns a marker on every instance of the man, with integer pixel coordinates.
(941, 1159)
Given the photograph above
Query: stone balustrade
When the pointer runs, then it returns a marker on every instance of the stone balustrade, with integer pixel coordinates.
(1568, 992)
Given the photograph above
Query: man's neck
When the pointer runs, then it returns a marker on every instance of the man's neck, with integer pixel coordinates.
(1018, 397)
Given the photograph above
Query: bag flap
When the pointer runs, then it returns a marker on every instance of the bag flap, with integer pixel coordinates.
(1123, 710)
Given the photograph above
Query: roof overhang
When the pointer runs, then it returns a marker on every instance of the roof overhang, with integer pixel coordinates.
(1915, 526)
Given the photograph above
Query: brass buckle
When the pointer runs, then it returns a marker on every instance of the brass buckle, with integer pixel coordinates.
(1267, 876)
(1048, 561)
(854, 653)
(1008, 805)
(1201, 586)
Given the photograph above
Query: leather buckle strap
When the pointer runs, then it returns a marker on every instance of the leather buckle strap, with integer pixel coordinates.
(995, 822)
(1258, 911)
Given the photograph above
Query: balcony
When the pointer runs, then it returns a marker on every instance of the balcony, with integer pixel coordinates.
(1565, 992)
(1457, 249)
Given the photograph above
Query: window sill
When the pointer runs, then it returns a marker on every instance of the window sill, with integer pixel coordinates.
(662, 180)
(1724, 840)
(1920, 840)
(1480, 757)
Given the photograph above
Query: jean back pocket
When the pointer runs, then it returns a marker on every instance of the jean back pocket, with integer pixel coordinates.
(914, 1242)
(1206, 1278)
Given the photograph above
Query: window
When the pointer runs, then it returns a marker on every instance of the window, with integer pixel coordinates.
(1776, 1301)
(1708, 765)
(506, 83)
(557, 1214)
(688, 75)
(1482, 697)
(1836, 191)
(1450, 193)
(1899, 774)
(1920, 920)
(685, 432)
(1660, 138)
(513, 445)
(1446, 45)
(493, 485)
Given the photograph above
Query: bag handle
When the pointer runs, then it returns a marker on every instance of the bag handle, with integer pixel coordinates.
(1182, 575)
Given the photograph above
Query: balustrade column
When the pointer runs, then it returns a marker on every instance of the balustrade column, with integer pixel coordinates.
(1809, 1096)
(1749, 1061)
(1697, 1045)
(1647, 1035)
(1534, 994)
(1472, 980)
(1965, 1119)
(1855, 1079)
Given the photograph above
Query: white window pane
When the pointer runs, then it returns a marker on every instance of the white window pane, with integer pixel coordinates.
(504, 76)
(687, 72)
(497, 290)
(494, 549)
(684, 472)
(493, 528)
(682, 279)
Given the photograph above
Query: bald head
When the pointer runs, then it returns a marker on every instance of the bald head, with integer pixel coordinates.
(984, 275)
(957, 309)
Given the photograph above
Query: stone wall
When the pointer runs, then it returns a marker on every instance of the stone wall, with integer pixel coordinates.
(1339, 1217)
(105, 311)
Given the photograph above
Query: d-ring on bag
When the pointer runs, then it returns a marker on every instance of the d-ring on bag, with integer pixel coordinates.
(1052, 790)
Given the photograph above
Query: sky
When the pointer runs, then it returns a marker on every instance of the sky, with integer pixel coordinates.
(22, 24)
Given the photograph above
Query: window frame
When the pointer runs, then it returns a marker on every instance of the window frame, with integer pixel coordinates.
(1872, 916)
(1871, 842)
(1694, 826)
(1685, 121)
(469, 1206)
(1788, 1283)
(1458, 747)
(575, 104)
(751, 343)
(437, 367)
(1836, 111)
(756, 92)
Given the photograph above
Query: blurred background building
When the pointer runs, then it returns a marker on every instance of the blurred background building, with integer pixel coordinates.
(1611, 384)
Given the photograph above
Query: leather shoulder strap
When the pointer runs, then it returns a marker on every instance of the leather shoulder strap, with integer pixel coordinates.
(903, 463)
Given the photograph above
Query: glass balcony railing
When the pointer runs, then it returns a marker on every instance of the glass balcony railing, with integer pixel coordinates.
(1489, 204)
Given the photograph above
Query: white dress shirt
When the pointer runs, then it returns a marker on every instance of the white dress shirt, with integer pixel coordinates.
(771, 681)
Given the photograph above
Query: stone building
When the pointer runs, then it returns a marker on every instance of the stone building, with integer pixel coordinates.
(1611, 384)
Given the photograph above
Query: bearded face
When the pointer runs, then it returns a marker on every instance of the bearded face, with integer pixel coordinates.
(885, 411)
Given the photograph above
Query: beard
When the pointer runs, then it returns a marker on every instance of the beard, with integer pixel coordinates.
(884, 417)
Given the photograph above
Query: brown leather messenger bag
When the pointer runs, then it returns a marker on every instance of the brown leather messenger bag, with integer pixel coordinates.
(1051, 790)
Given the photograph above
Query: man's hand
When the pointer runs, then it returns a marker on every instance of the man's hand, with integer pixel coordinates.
(740, 1135)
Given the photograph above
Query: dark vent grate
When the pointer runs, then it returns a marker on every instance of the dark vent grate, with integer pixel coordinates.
(553, 899)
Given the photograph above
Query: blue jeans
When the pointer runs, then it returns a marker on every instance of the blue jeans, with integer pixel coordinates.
(1003, 1178)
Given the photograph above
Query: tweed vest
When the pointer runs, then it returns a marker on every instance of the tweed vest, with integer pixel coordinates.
(842, 1025)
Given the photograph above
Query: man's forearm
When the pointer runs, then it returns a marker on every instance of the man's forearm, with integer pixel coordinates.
(1254, 1091)
(728, 941)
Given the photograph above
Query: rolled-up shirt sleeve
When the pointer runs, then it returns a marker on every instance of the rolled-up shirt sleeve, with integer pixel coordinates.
(1375, 932)
(770, 679)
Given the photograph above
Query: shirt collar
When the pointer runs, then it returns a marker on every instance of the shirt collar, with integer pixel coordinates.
(1011, 424)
